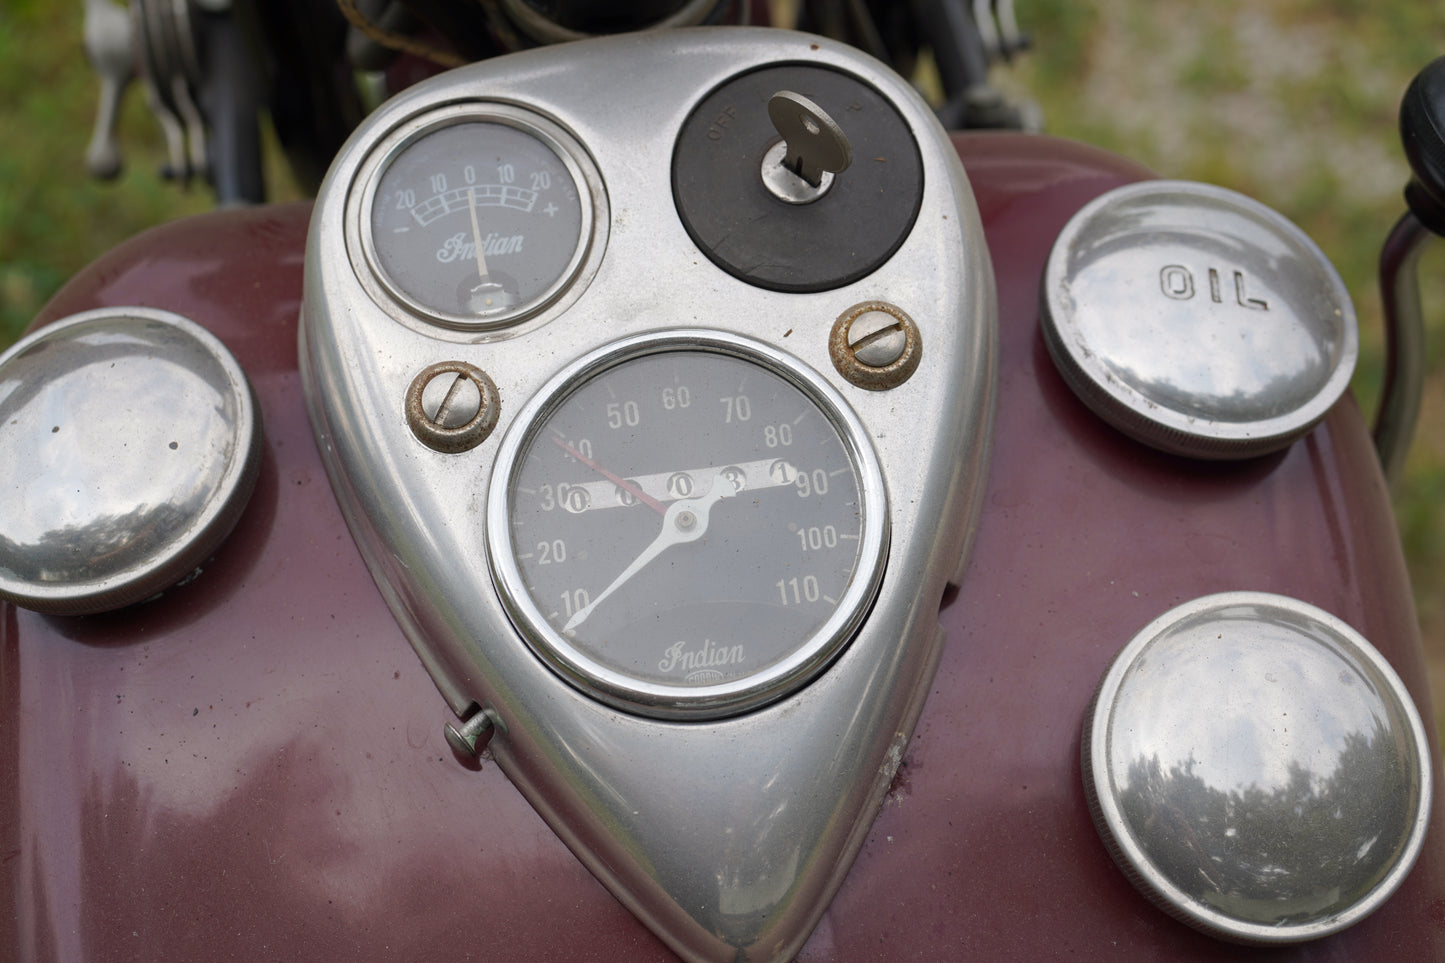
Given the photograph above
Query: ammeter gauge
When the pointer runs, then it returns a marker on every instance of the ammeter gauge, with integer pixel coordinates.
(474, 216)
(687, 525)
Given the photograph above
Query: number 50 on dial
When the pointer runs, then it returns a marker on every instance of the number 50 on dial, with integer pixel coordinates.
(687, 525)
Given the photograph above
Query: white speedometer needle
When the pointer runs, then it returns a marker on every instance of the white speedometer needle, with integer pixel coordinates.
(476, 233)
(684, 521)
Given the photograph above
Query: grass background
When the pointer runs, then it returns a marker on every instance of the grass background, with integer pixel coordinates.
(1294, 102)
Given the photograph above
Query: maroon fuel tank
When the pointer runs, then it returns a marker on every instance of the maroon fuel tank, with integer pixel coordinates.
(253, 766)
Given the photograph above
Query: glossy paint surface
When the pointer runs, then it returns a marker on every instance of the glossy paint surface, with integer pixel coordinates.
(253, 766)
(985, 850)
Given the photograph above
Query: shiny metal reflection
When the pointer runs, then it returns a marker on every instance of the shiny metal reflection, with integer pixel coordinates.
(1257, 768)
(1197, 320)
(129, 443)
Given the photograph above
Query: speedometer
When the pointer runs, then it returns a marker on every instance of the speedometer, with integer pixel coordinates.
(475, 216)
(689, 524)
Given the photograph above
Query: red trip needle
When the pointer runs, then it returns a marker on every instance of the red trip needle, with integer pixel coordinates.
(617, 480)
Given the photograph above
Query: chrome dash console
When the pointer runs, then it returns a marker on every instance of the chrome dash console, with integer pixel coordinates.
(658, 402)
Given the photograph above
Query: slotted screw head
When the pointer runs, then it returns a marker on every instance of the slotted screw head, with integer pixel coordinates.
(450, 399)
(452, 406)
(875, 345)
(877, 339)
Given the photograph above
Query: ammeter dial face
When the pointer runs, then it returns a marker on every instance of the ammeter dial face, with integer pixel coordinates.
(687, 525)
(477, 216)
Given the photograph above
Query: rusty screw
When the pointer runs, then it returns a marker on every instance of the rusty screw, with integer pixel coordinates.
(877, 339)
(450, 400)
(452, 406)
(875, 345)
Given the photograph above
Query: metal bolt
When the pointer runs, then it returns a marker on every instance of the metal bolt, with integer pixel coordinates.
(451, 399)
(875, 345)
(471, 736)
(877, 339)
(452, 406)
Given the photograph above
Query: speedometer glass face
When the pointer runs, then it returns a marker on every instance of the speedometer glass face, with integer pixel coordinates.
(687, 530)
(478, 216)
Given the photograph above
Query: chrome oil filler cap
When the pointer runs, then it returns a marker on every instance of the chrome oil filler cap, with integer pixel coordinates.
(129, 444)
(1257, 769)
(1196, 320)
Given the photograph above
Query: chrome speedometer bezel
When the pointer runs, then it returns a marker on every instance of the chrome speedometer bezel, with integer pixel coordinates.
(388, 294)
(770, 683)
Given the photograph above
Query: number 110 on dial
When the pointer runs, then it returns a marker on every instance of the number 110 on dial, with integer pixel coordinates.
(688, 527)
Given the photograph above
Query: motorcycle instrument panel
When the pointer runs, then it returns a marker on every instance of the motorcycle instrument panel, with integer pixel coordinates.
(663, 426)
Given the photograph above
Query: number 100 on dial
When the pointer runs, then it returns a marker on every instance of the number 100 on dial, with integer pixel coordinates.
(687, 528)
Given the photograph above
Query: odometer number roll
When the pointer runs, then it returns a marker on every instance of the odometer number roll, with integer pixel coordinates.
(688, 524)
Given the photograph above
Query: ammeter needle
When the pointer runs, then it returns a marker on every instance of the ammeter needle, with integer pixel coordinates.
(476, 232)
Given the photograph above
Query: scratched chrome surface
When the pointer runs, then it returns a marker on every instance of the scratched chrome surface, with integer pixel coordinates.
(727, 837)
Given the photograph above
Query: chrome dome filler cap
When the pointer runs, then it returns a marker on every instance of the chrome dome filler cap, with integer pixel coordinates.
(1196, 320)
(129, 444)
(1257, 769)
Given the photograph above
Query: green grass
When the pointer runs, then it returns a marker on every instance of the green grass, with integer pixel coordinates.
(55, 217)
